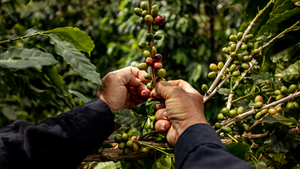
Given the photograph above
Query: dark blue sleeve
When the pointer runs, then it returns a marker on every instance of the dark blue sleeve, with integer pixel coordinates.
(57, 142)
(199, 146)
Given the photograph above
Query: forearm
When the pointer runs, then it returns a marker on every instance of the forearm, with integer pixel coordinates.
(56, 142)
(199, 145)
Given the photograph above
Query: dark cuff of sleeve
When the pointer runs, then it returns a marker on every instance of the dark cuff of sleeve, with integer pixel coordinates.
(191, 138)
(95, 119)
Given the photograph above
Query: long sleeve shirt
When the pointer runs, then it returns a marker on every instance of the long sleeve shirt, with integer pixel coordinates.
(64, 141)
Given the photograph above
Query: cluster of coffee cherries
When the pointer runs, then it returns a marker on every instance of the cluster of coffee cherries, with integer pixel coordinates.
(241, 57)
(152, 58)
(128, 145)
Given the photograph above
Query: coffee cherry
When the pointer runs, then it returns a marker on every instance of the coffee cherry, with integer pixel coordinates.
(148, 19)
(233, 54)
(236, 62)
(264, 111)
(133, 138)
(212, 74)
(258, 115)
(258, 105)
(236, 73)
(145, 93)
(277, 92)
(250, 45)
(161, 79)
(290, 105)
(157, 57)
(213, 67)
(232, 47)
(149, 37)
(146, 150)
(272, 111)
(230, 43)
(154, 11)
(225, 50)
(160, 20)
(129, 143)
(232, 113)
(220, 65)
(232, 67)
(126, 151)
(125, 137)
(244, 47)
(218, 125)
(296, 105)
(226, 129)
(279, 97)
(283, 90)
(144, 13)
(100, 150)
(249, 36)
(148, 76)
(144, 5)
(146, 53)
(143, 66)
(121, 145)
(258, 98)
(154, 51)
(160, 73)
(239, 35)
(138, 11)
(142, 45)
(240, 57)
(220, 116)
(292, 88)
(157, 65)
(142, 21)
(155, 7)
(255, 51)
(240, 110)
(225, 112)
(279, 109)
(246, 58)
(204, 88)
(246, 127)
(135, 146)
(245, 66)
(118, 138)
(149, 85)
(149, 61)
(233, 38)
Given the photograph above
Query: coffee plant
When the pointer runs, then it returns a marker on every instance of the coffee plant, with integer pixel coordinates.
(44, 73)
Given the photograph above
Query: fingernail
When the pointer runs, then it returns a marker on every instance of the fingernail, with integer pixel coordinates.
(165, 115)
(163, 126)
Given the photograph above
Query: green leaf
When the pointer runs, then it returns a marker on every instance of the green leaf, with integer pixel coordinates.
(76, 59)
(150, 107)
(224, 91)
(80, 95)
(280, 7)
(21, 58)
(278, 118)
(238, 149)
(25, 1)
(282, 140)
(128, 118)
(74, 35)
(279, 157)
(277, 19)
(164, 162)
(291, 74)
(107, 165)
(196, 74)
(296, 2)
(258, 165)
(9, 113)
(284, 55)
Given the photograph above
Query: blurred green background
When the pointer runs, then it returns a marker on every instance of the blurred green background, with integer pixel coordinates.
(193, 36)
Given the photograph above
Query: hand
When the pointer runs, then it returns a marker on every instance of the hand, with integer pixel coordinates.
(123, 88)
(183, 108)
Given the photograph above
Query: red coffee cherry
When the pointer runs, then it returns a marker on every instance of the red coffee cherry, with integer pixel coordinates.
(149, 61)
(157, 57)
(157, 65)
(145, 93)
(133, 138)
(159, 20)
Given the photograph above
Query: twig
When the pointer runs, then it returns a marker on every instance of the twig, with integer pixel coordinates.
(216, 89)
(277, 164)
(240, 98)
(158, 144)
(250, 136)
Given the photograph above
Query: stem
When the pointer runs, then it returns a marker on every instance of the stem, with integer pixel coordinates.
(22, 37)
(253, 111)
(232, 138)
(244, 97)
(154, 147)
(254, 157)
(277, 164)
(216, 89)
(237, 46)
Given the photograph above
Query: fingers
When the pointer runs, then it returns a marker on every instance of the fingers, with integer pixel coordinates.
(132, 76)
(161, 114)
(159, 106)
(162, 126)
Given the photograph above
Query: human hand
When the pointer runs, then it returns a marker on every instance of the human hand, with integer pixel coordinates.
(123, 88)
(183, 108)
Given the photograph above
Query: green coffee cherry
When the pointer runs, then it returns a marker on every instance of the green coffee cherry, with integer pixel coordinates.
(230, 43)
(149, 85)
(255, 51)
(277, 92)
(250, 45)
(244, 47)
(142, 21)
(142, 45)
(226, 129)
(225, 112)
(100, 150)
(121, 145)
(240, 110)
(146, 53)
(232, 113)
(220, 116)
(218, 125)
(157, 36)
(225, 50)
(220, 65)
(246, 58)
(212, 74)
(245, 66)
(148, 19)
(149, 37)
(125, 137)
(138, 11)
(296, 105)
(144, 5)
(154, 11)
(246, 127)
(135, 146)
(129, 143)
(233, 38)
(292, 88)
(118, 138)
(126, 151)
(213, 67)
(272, 111)
(154, 51)
(236, 73)
(204, 88)
(148, 76)
(160, 73)
(239, 35)
(144, 13)
(278, 97)
(283, 90)
(232, 47)
(264, 111)
(161, 79)
(290, 105)
(142, 66)
(258, 115)
(232, 67)
(236, 62)
(233, 54)
(258, 105)
(240, 57)
(146, 150)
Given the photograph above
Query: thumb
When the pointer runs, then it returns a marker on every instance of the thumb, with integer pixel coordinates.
(162, 89)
